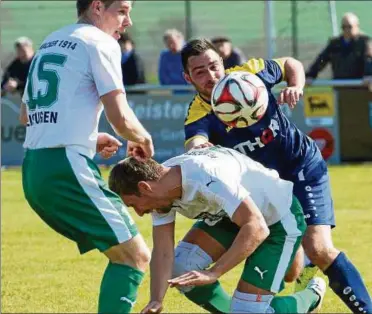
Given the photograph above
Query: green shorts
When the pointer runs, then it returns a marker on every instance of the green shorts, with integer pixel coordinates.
(267, 266)
(67, 191)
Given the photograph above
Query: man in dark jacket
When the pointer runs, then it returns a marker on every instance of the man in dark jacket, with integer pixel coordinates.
(350, 54)
(131, 63)
(15, 75)
(231, 56)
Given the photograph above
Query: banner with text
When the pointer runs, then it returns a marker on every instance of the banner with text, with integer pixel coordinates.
(163, 116)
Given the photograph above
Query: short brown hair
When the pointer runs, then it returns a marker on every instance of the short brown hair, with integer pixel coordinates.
(83, 5)
(126, 174)
(195, 47)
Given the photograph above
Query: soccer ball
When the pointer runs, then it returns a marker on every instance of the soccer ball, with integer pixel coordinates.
(240, 99)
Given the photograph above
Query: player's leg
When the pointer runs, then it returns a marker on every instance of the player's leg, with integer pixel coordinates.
(309, 299)
(204, 245)
(264, 271)
(71, 197)
(201, 247)
(123, 275)
(297, 266)
(315, 196)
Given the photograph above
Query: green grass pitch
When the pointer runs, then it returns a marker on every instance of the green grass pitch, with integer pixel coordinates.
(43, 272)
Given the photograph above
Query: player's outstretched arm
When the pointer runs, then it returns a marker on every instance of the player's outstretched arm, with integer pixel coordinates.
(125, 122)
(161, 266)
(295, 78)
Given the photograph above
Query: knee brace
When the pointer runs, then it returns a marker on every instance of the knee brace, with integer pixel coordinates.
(188, 257)
(251, 303)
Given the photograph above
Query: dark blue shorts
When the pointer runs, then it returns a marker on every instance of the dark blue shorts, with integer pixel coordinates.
(312, 188)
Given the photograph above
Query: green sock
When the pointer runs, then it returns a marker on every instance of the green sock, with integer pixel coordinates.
(300, 302)
(119, 288)
(210, 297)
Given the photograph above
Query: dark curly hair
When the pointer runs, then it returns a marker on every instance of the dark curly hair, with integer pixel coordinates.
(195, 47)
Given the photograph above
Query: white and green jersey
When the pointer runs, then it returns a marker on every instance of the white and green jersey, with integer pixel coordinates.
(74, 66)
(216, 180)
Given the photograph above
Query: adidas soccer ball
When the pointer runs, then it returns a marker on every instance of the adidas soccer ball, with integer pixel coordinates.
(240, 99)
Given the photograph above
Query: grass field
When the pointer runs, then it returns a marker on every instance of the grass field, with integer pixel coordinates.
(43, 272)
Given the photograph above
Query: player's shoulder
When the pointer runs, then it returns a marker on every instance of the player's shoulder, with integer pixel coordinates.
(94, 38)
(256, 65)
(253, 66)
(198, 109)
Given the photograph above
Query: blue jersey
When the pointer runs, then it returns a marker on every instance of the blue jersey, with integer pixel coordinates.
(273, 141)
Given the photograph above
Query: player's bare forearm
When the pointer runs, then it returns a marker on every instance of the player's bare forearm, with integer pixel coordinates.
(253, 231)
(250, 236)
(294, 72)
(162, 259)
(294, 75)
(23, 115)
(123, 119)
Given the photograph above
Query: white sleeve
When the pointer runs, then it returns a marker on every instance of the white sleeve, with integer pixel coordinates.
(163, 219)
(226, 192)
(25, 94)
(105, 63)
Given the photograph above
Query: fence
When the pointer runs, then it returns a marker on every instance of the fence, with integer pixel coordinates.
(242, 21)
(321, 114)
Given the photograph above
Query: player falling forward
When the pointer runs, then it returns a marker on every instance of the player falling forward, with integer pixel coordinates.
(76, 68)
(276, 143)
(264, 225)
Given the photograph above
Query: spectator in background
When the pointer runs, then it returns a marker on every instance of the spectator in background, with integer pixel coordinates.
(170, 64)
(15, 75)
(131, 63)
(349, 54)
(231, 56)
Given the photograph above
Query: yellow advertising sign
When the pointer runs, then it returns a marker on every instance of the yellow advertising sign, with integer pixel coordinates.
(319, 103)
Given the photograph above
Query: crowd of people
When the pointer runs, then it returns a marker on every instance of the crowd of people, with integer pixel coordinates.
(350, 57)
(246, 212)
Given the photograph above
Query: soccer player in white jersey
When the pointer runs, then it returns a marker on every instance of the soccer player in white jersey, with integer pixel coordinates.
(74, 76)
(264, 225)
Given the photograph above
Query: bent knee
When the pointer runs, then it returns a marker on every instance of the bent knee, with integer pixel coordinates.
(189, 257)
(134, 253)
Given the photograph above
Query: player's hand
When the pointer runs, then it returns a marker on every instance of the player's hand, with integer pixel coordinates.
(153, 307)
(194, 278)
(11, 85)
(290, 95)
(107, 145)
(141, 151)
(206, 144)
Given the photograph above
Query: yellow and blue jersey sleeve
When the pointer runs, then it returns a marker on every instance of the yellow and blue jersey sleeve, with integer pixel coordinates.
(197, 120)
(271, 72)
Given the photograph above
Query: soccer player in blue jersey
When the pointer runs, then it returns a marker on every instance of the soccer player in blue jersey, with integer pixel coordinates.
(276, 143)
